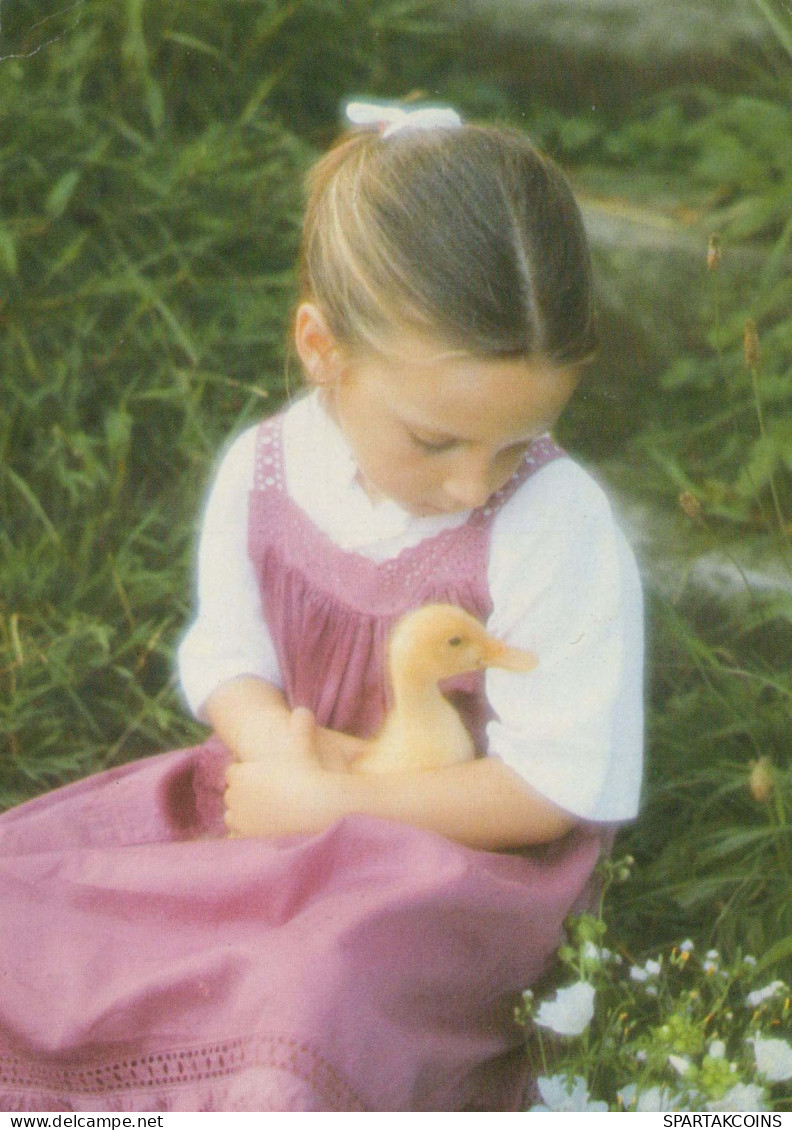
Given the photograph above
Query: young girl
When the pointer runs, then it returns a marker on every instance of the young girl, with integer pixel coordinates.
(359, 942)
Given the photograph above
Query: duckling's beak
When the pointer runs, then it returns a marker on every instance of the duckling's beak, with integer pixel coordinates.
(499, 654)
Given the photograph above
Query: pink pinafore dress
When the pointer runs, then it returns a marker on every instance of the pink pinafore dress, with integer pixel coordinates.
(148, 963)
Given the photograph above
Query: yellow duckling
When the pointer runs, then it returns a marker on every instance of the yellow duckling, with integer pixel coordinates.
(422, 729)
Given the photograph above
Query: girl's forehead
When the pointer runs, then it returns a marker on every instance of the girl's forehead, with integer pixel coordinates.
(467, 396)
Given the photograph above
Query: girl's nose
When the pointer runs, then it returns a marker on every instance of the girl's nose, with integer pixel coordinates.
(469, 484)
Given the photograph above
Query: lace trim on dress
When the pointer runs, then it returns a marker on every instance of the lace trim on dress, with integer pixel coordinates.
(156, 1071)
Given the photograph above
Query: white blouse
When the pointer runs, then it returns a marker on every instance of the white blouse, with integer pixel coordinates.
(563, 583)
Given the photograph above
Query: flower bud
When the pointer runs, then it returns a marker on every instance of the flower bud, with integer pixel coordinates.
(714, 254)
(690, 505)
(751, 344)
(761, 780)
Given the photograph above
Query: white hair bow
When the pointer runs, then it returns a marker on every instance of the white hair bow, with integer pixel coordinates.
(395, 118)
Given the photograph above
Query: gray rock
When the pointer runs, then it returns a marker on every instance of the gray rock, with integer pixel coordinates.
(740, 573)
(641, 29)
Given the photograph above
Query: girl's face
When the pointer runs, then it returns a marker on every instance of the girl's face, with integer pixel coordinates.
(439, 431)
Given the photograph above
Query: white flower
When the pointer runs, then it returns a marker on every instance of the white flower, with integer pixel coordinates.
(644, 972)
(711, 961)
(749, 959)
(649, 1098)
(563, 1094)
(742, 1096)
(600, 954)
(758, 996)
(717, 1049)
(773, 1059)
(680, 1063)
(571, 1011)
(687, 946)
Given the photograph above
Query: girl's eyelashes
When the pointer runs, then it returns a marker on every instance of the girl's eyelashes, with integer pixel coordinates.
(435, 446)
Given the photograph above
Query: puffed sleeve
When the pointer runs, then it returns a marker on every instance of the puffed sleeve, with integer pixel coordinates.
(229, 636)
(564, 583)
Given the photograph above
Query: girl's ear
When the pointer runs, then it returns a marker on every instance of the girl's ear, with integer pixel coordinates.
(317, 348)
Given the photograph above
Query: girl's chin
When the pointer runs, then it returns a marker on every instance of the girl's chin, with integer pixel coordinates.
(426, 510)
(416, 509)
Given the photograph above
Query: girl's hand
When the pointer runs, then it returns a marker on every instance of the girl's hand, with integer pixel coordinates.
(293, 794)
(336, 751)
(253, 720)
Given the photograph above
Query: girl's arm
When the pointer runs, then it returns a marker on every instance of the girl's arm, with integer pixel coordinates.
(481, 803)
(252, 719)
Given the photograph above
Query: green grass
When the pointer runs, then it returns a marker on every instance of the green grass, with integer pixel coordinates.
(151, 166)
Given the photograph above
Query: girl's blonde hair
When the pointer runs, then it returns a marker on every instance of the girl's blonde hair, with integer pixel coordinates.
(468, 235)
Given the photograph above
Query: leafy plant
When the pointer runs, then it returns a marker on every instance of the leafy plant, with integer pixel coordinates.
(715, 846)
(677, 1031)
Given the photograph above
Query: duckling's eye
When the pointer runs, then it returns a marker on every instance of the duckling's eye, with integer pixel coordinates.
(455, 641)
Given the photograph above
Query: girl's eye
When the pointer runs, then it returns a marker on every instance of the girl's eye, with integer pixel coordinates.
(438, 446)
(433, 446)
